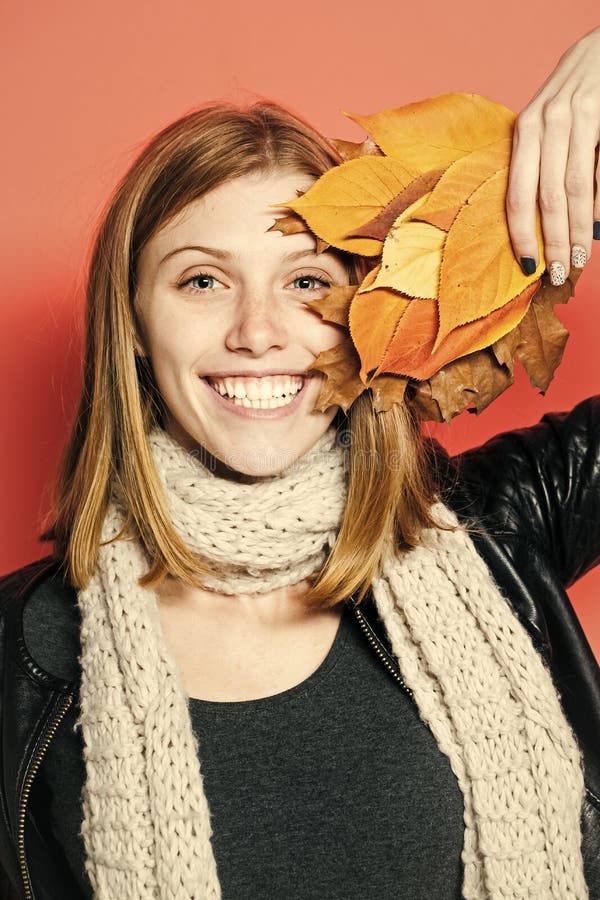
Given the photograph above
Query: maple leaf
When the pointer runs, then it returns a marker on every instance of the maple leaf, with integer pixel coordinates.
(475, 380)
(342, 383)
(433, 133)
(539, 341)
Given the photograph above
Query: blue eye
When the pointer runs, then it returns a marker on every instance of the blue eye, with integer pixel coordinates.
(309, 282)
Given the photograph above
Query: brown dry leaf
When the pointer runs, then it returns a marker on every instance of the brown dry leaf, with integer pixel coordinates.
(335, 305)
(379, 226)
(296, 225)
(289, 225)
(461, 180)
(432, 133)
(475, 379)
(346, 197)
(539, 341)
(479, 272)
(480, 377)
(411, 260)
(373, 319)
(342, 384)
(387, 390)
(351, 150)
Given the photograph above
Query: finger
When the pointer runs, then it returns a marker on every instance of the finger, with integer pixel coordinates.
(579, 186)
(552, 193)
(596, 232)
(522, 190)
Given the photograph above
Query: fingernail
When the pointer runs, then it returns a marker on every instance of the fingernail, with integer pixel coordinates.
(597, 231)
(578, 256)
(528, 264)
(557, 273)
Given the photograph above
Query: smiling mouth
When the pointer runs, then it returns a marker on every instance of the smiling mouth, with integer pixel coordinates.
(261, 403)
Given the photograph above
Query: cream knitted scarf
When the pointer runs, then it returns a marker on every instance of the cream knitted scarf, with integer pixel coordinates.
(477, 681)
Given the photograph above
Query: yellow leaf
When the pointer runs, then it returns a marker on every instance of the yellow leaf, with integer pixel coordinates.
(479, 272)
(461, 180)
(431, 134)
(348, 196)
(412, 256)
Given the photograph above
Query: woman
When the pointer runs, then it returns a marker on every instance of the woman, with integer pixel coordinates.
(199, 680)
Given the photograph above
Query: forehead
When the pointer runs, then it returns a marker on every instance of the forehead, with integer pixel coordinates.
(250, 203)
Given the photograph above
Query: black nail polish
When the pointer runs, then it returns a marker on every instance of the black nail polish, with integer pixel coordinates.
(597, 231)
(528, 264)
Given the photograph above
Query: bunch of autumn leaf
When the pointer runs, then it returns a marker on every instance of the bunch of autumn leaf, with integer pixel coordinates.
(444, 308)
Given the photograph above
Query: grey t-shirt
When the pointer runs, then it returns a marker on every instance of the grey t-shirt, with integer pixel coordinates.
(334, 788)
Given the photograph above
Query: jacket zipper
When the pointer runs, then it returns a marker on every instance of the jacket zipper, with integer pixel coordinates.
(383, 655)
(34, 766)
(386, 658)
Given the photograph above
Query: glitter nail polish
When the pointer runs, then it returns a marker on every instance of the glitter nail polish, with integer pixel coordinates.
(557, 274)
(578, 256)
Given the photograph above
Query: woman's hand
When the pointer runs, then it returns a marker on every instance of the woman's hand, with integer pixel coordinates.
(555, 149)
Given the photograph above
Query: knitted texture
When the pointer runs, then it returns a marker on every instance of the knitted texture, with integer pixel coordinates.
(477, 680)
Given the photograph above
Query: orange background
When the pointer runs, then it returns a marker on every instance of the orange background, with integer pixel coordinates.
(86, 84)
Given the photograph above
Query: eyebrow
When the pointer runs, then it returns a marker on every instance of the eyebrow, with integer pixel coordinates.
(224, 254)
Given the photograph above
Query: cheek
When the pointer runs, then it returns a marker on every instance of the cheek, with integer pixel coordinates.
(328, 335)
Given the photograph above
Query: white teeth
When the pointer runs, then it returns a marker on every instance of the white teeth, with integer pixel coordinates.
(261, 389)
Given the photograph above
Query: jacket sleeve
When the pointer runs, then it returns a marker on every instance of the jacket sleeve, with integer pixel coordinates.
(542, 482)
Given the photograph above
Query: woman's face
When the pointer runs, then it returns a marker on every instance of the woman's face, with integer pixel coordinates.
(221, 309)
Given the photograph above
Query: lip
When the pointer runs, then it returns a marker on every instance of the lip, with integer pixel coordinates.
(280, 412)
(248, 374)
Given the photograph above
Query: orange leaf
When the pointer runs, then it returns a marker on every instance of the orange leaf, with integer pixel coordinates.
(347, 196)
(479, 272)
(411, 350)
(373, 319)
(460, 181)
(431, 134)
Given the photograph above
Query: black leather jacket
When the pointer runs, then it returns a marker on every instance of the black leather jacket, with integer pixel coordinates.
(534, 496)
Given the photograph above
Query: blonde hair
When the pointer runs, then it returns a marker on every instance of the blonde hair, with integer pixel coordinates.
(390, 489)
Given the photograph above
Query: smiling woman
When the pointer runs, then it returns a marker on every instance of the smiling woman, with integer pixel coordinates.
(284, 648)
(231, 319)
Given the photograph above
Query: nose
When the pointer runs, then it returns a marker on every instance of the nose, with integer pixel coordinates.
(258, 324)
